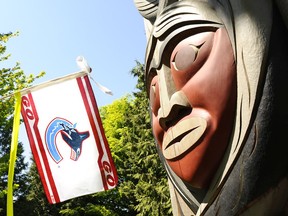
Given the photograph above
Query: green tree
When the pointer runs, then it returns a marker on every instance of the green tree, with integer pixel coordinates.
(11, 79)
(147, 179)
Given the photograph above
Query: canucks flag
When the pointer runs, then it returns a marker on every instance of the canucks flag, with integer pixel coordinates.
(67, 138)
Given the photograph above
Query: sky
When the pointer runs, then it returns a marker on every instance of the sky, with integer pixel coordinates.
(109, 34)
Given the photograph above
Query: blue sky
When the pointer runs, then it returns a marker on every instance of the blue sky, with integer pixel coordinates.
(109, 34)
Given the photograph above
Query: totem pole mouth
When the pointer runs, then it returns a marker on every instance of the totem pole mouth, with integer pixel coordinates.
(180, 138)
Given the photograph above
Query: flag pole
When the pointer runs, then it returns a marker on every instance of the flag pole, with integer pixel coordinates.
(47, 83)
(13, 153)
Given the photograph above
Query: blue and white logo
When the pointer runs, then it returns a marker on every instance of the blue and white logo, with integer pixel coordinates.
(69, 134)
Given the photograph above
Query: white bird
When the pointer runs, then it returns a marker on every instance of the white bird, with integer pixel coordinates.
(83, 65)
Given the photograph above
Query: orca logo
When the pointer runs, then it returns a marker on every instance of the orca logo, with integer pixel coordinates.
(69, 134)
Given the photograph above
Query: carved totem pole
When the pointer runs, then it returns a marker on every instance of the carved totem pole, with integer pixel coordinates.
(217, 80)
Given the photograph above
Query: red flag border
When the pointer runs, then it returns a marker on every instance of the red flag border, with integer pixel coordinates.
(41, 162)
(101, 140)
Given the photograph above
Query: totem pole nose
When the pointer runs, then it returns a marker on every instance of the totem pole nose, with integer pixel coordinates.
(177, 108)
(173, 104)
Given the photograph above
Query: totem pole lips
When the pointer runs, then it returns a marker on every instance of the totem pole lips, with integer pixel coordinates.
(180, 138)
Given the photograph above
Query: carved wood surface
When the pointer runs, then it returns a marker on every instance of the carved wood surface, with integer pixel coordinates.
(216, 74)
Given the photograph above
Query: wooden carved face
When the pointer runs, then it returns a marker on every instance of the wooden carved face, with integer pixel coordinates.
(192, 96)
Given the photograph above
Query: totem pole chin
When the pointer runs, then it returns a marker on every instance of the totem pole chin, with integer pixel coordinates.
(216, 76)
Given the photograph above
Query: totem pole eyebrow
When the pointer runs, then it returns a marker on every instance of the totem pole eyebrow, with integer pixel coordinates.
(185, 14)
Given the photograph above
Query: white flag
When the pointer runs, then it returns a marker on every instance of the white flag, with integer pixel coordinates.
(67, 139)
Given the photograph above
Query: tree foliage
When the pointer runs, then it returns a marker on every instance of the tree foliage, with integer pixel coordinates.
(11, 79)
(148, 181)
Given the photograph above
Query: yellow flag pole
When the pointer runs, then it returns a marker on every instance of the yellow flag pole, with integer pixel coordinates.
(13, 153)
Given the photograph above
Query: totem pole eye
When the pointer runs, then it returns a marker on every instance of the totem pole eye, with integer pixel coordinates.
(185, 57)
